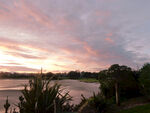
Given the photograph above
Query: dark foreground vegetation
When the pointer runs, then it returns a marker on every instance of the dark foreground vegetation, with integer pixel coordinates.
(122, 90)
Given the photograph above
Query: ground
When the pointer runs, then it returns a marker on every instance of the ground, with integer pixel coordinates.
(138, 109)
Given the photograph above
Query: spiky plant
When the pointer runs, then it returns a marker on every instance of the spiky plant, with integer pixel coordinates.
(6, 105)
(41, 97)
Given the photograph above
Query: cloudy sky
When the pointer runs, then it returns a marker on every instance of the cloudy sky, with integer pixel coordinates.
(64, 35)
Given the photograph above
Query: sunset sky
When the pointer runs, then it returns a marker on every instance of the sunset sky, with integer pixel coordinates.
(64, 35)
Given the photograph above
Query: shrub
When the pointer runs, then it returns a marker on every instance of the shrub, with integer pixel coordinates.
(39, 96)
(120, 82)
(95, 104)
(145, 80)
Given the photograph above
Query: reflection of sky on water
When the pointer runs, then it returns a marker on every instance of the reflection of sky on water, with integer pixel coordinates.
(11, 87)
(77, 88)
(12, 84)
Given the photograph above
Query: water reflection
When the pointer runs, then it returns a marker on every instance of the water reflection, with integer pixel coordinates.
(12, 87)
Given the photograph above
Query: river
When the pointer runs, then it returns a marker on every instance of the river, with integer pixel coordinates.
(12, 87)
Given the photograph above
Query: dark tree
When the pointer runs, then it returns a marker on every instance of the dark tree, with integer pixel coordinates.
(117, 81)
(145, 79)
(74, 74)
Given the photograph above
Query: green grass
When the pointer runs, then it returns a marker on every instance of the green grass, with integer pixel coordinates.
(88, 80)
(138, 109)
(69, 112)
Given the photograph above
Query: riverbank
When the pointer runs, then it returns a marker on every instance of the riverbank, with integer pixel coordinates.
(89, 80)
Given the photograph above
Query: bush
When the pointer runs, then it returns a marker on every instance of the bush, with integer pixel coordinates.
(145, 80)
(39, 96)
(124, 77)
(95, 104)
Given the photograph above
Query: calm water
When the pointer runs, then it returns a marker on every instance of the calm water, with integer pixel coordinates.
(12, 87)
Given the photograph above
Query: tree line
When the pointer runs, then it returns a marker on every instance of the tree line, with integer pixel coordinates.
(69, 75)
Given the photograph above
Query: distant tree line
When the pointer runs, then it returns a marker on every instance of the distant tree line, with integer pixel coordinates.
(69, 75)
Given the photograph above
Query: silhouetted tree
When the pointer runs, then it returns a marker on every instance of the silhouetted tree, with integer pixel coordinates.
(145, 79)
(119, 78)
(74, 74)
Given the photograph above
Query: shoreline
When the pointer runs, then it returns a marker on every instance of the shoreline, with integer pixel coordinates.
(89, 80)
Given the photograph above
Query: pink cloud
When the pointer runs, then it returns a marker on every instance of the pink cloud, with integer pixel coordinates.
(87, 48)
(19, 46)
(102, 16)
(24, 15)
(18, 69)
(109, 34)
(109, 37)
(109, 40)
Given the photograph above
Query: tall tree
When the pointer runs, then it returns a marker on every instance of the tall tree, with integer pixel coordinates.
(113, 78)
(145, 79)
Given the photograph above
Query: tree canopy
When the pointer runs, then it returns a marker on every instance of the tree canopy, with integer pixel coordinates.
(145, 79)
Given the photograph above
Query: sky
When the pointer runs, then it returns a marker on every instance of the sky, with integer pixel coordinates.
(64, 35)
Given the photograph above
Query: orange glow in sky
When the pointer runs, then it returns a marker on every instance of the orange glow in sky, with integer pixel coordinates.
(66, 35)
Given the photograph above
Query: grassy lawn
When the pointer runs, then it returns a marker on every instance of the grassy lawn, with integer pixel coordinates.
(88, 80)
(138, 109)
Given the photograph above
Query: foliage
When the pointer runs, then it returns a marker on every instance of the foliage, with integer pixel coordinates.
(83, 101)
(99, 103)
(74, 74)
(89, 75)
(106, 84)
(6, 105)
(95, 104)
(118, 80)
(42, 97)
(145, 79)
